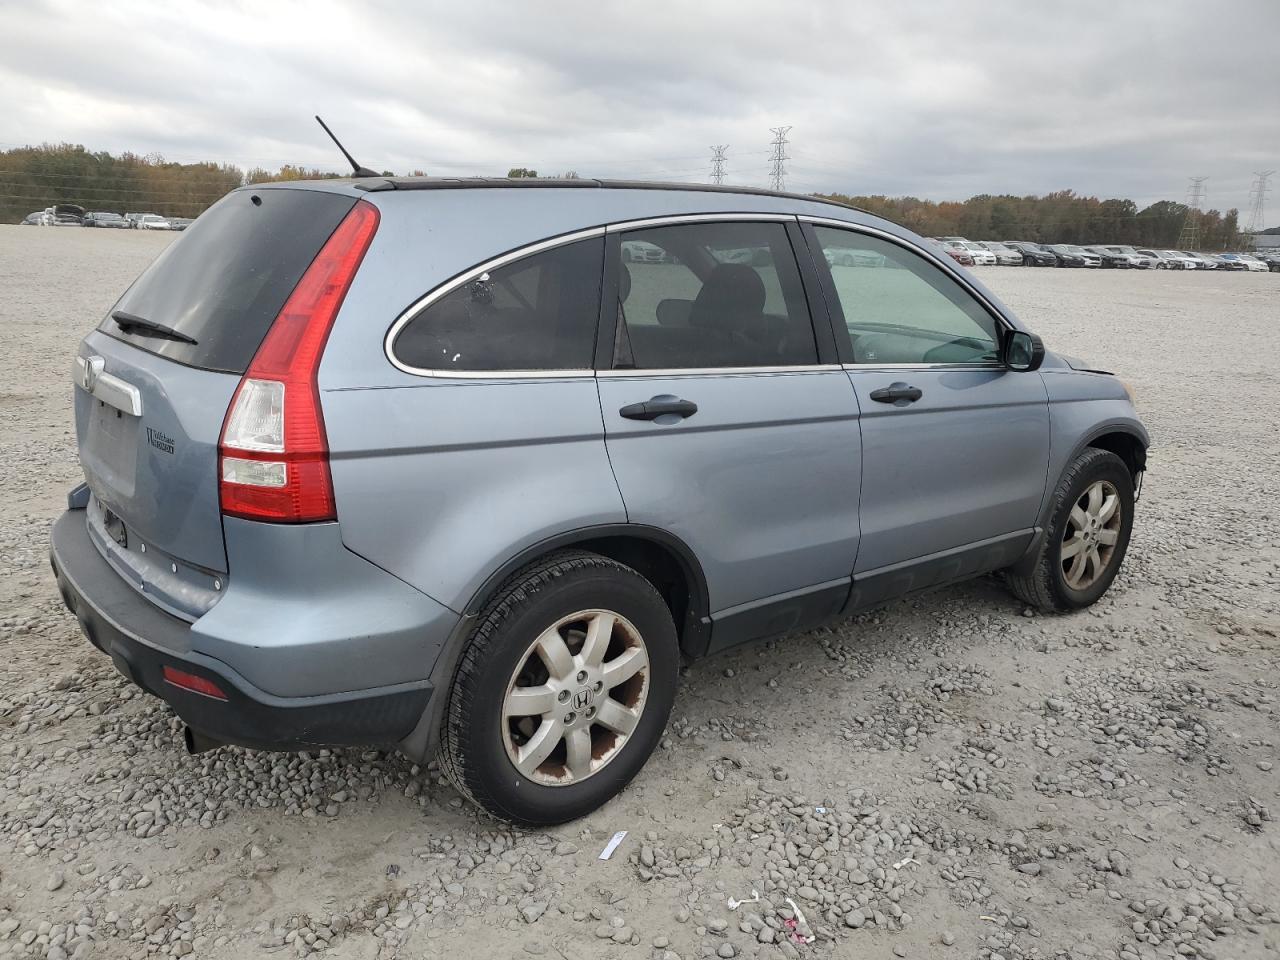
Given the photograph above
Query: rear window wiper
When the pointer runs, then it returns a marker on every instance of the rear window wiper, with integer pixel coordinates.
(132, 323)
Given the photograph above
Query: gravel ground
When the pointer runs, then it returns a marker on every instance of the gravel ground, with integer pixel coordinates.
(949, 776)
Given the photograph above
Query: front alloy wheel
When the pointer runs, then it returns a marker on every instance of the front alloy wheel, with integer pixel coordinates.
(1092, 531)
(1086, 538)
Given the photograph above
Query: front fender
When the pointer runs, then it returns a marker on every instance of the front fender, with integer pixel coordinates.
(1084, 407)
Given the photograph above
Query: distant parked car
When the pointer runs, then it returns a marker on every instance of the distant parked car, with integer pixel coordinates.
(1169, 259)
(958, 254)
(1136, 259)
(1250, 262)
(153, 221)
(1066, 256)
(131, 219)
(1110, 258)
(64, 215)
(103, 219)
(179, 223)
(1206, 261)
(982, 257)
(35, 219)
(1187, 261)
(846, 257)
(1005, 256)
(1271, 258)
(1032, 254)
(1091, 259)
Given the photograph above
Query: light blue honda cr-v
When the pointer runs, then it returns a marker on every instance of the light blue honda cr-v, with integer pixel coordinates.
(473, 463)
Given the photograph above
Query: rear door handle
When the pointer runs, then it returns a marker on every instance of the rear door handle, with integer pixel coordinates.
(659, 406)
(899, 394)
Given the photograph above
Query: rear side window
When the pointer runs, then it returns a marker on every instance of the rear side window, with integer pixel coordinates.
(536, 313)
(222, 282)
(710, 295)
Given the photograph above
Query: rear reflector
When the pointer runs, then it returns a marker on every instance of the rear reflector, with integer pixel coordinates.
(189, 681)
(274, 454)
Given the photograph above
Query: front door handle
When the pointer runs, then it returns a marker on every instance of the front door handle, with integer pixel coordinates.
(899, 394)
(659, 406)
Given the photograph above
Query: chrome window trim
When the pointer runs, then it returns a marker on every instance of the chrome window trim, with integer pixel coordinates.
(411, 312)
(675, 219)
(871, 367)
(669, 372)
(1001, 321)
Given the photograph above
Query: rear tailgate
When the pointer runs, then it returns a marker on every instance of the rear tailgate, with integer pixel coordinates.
(150, 402)
(156, 469)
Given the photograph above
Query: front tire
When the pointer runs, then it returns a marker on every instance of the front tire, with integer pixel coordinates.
(1084, 545)
(563, 691)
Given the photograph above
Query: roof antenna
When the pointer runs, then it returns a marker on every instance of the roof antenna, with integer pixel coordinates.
(359, 170)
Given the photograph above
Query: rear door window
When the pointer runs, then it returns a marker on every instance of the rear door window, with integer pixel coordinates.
(537, 313)
(222, 282)
(711, 295)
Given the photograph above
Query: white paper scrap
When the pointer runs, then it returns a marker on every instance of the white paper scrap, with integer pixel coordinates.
(612, 845)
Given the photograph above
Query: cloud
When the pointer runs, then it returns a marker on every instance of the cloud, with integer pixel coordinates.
(937, 99)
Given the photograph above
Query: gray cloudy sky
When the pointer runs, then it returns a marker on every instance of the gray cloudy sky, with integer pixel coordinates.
(937, 99)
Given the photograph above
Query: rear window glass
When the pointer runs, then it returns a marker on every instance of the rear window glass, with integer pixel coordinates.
(222, 282)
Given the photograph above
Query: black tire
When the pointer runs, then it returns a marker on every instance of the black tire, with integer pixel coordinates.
(1040, 580)
(473, 752)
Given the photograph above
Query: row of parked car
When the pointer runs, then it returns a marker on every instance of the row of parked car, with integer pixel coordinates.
(1023, 253)
(73, 215)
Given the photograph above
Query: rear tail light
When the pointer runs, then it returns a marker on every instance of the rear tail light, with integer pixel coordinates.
(273, 457)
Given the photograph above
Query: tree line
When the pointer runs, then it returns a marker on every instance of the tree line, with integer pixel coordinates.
(1059, 217)
(32, 178)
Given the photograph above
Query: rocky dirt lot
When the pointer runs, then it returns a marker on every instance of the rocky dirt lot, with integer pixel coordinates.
(949, 776)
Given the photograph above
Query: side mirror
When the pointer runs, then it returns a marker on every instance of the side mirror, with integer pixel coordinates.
(1023, 351)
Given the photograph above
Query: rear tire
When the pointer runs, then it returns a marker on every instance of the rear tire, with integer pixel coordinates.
(1084, 545)
(536, 731)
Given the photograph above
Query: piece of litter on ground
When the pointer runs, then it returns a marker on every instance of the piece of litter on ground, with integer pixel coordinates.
(819, 809)
(612, 845)
(985, 917)
(734, 904)
(902, 863)
(794, 925)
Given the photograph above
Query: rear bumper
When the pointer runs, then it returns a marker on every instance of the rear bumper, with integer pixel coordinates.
(142, 640)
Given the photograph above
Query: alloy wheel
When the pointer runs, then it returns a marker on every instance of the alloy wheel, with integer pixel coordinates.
(1093, 529)
(576, 697)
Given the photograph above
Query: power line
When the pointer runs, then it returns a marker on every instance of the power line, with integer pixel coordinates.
(1189, 238)
(1258, 201)
(717, 163)
(777, 171)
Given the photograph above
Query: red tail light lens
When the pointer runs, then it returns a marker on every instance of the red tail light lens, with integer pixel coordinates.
(189, 681)
(273, 457)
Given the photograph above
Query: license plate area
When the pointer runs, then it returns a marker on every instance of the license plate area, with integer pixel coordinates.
(112, 449)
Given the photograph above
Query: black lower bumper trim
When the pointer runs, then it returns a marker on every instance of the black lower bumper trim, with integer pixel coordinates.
(142, 640)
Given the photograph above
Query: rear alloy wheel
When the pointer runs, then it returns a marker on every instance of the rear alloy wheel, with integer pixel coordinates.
(576, 697)
(1088, 533)
(563, 690)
